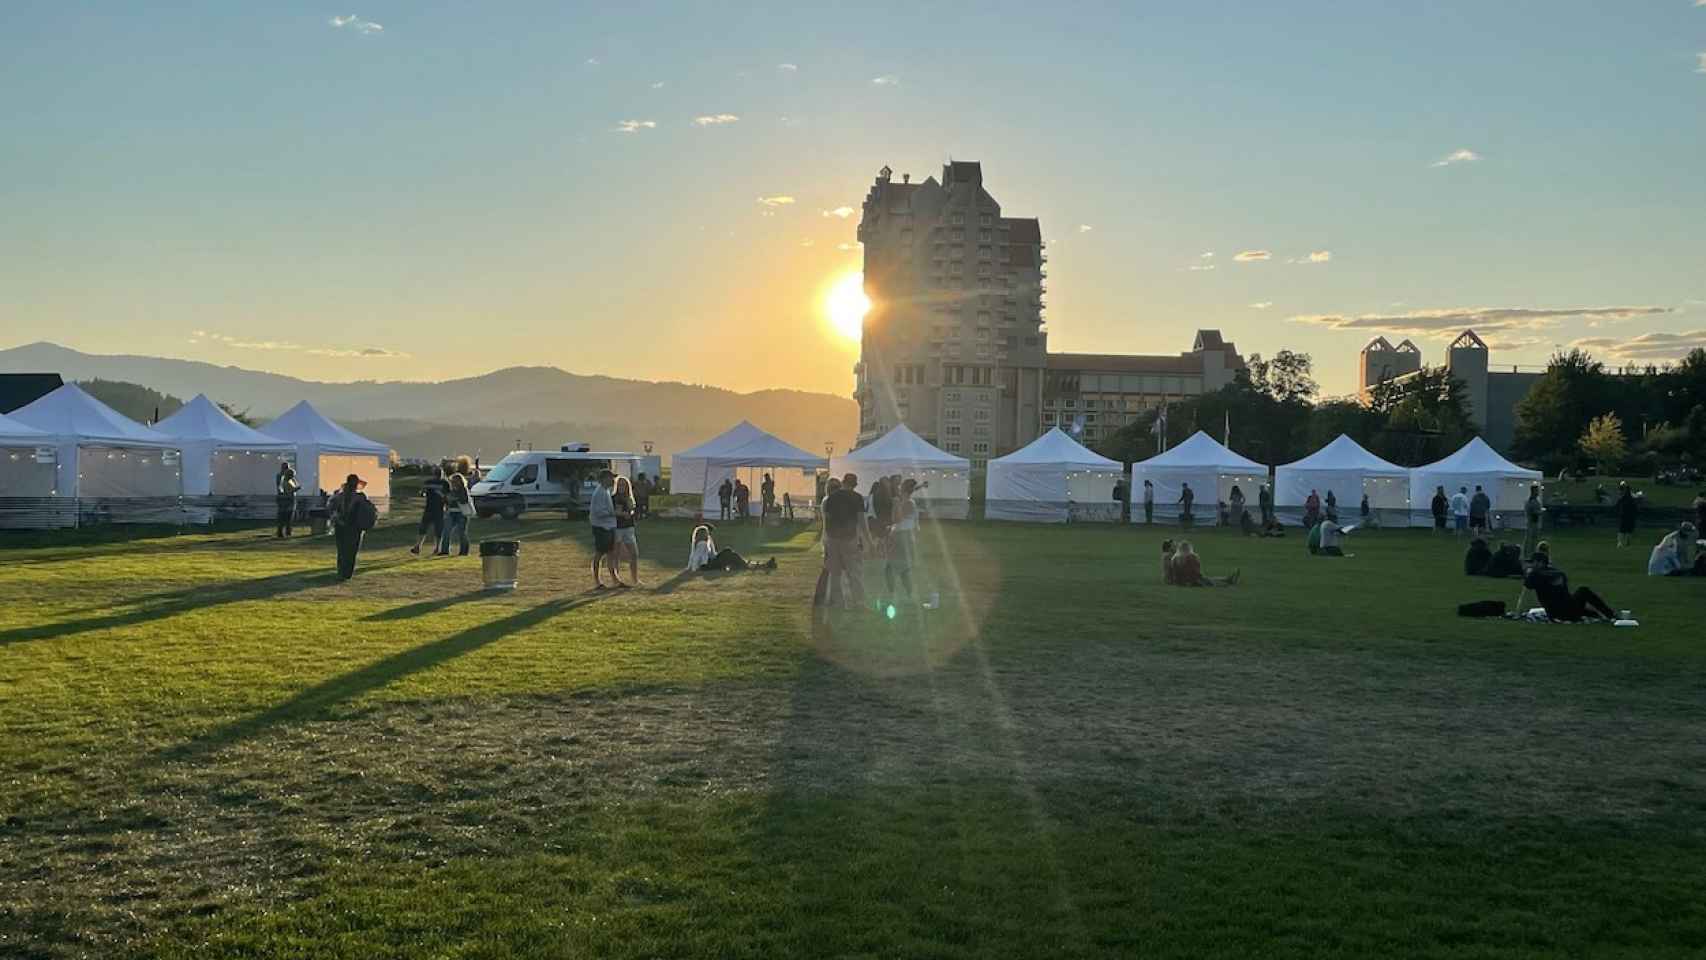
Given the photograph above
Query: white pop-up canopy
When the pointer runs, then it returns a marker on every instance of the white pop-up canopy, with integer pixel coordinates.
(902, 452)
(27, 475)
(1053, 479)
(1474, 464)
(224, 458)
(746, 453)
(1349, 471)
(1210, 469)
(327, 453)
(101, 455)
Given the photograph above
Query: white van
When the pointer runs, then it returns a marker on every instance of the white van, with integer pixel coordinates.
(546, 480)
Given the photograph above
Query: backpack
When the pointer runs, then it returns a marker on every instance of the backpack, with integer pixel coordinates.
(364, 515)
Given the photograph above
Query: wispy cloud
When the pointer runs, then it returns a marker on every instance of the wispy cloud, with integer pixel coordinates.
(1085, 228)
(635, 126)
(1463, 155)
(788, 67)
(1209, 255)
(846, 246)
(286, 346)
(841, 212)
(592, 61)
(353, 22)
(1252, 256)
(657, 84)
(1315, 256)
(779, 200)
(1200, 267)
(808, 243)
(886, 80)
(714, 119)
(1647, 346)
(1449, 321)
(1261, 305)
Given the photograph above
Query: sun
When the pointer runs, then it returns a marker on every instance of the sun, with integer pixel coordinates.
(845, 304)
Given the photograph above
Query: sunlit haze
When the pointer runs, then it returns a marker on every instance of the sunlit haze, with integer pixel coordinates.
(665, 191)
(845, 306)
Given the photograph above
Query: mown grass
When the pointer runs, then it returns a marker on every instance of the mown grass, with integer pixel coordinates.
(210, 748)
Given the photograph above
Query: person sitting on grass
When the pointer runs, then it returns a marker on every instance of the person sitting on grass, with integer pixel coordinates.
(1187, 570)
(1325, 539)
(1477, 558)
(1675, 555)
(704, 557)
(1167, 553)
(1506, 562)
(1273, 528)
(1552, 588)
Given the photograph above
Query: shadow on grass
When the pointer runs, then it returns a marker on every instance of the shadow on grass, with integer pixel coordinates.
(353, 684)
(424, 607)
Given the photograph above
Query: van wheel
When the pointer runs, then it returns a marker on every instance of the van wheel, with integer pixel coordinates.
(511, 513)
(483, 514)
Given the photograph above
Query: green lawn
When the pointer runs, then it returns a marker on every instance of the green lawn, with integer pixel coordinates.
(210, 748)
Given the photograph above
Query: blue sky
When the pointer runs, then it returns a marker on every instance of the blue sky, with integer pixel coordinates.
(438, 189)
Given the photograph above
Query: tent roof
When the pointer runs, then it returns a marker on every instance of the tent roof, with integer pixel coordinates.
(741, 433)
(765, 450)
(1477, 457)
(202, 420)
(305, 425)
(16, 430)
(70, 415)
(903, 446)
(1345, 454)
(1201, 450)
(1055, 447)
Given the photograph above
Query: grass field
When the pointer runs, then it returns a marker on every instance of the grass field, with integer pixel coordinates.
(210, 748)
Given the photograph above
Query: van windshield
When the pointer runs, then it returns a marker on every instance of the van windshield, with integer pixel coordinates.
(503, 471)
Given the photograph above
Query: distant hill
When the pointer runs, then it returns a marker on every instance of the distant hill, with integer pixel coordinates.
(544, 405)
(135, 401)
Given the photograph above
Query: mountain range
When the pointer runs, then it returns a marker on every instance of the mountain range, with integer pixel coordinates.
(540, 406)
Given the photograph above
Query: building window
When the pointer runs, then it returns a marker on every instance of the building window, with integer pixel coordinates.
(1089, 418)
(957, 219)
(951, 396)
(985, 220)
(1072, 404)
(980, 414)
(952, 413)
(1029, 341)
(979, 447)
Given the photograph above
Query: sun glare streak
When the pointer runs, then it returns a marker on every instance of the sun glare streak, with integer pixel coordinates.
(846, 304)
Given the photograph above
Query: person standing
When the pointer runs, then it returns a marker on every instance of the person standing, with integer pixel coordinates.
(627, 543)
(1532, 512)
(743, 500)
(1122, 496)
(1235, 501)
(285, 486)
(1700, 511)
(1479, 508)
(903, 542)
(725, 495)
(1186, 500)
(1627, 508)
(432, 513)
(458, 506)
(643, 496)
(1440, 507)
(1332, 506)
(844, 531)
(1460, 511)
(601, 515)
(1311, 510)
(352, 516)
(1365, 515)
(1265, 500)
(1148, 502)
(767, 497)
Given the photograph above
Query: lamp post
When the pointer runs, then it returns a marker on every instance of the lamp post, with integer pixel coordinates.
(829, 448)
(647, 446)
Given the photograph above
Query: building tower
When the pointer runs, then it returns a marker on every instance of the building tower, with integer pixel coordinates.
(1380, 361)
(953, 344)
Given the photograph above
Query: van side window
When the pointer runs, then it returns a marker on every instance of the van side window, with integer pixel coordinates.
(528, 474)
(560, 471)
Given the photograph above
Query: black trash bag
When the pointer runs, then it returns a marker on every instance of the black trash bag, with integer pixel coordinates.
(1482, 608)
(500, 548)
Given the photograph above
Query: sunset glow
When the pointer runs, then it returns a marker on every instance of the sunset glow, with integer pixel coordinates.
(845, 305)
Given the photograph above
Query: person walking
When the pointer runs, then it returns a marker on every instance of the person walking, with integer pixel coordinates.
(1533, 513)
(725, 496)
(601, 515)
(352, 516)
(627, 543)
(1441, 507)
(844, 533)
(285, 486)
(1460, 511)
(1148, 503)
(1627, 508)
(1480, 507)
(1186, 499)
(435, 491)
(458, 507)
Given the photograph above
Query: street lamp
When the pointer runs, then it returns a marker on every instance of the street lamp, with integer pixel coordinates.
(647, 445)
(829, 448)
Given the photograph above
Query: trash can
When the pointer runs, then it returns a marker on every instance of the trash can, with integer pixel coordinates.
(318, 519)
(499, 563)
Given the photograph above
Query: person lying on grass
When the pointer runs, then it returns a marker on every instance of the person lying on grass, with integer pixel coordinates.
(1552, 588)
(704, 557)
(1187, 570)
(1675, 555)
(1325, 539)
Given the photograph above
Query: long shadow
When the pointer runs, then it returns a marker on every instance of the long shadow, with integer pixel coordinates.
(424, 607)
(673, 583)
(350, 685)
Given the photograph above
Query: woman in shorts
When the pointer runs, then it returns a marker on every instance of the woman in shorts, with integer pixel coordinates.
(627, 544)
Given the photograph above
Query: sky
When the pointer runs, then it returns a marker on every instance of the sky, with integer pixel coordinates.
(422, 190)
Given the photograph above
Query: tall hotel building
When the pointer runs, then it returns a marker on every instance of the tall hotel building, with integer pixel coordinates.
(955, 345)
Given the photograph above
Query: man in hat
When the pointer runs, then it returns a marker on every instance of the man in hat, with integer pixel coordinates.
(602, 516)
(352, 516)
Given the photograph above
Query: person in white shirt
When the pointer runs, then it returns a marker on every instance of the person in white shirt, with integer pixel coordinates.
(1674, 556)
(703, 549)
(602, 516)
(1460, 510)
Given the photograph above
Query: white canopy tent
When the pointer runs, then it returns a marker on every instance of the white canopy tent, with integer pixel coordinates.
(747, 453)
(110, 467)
(900, 451)
(230, 470)
(1474, 464)
(1349, 471)
(327, 453)
(27, 476)
(1205, 464)
(1053, 479)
